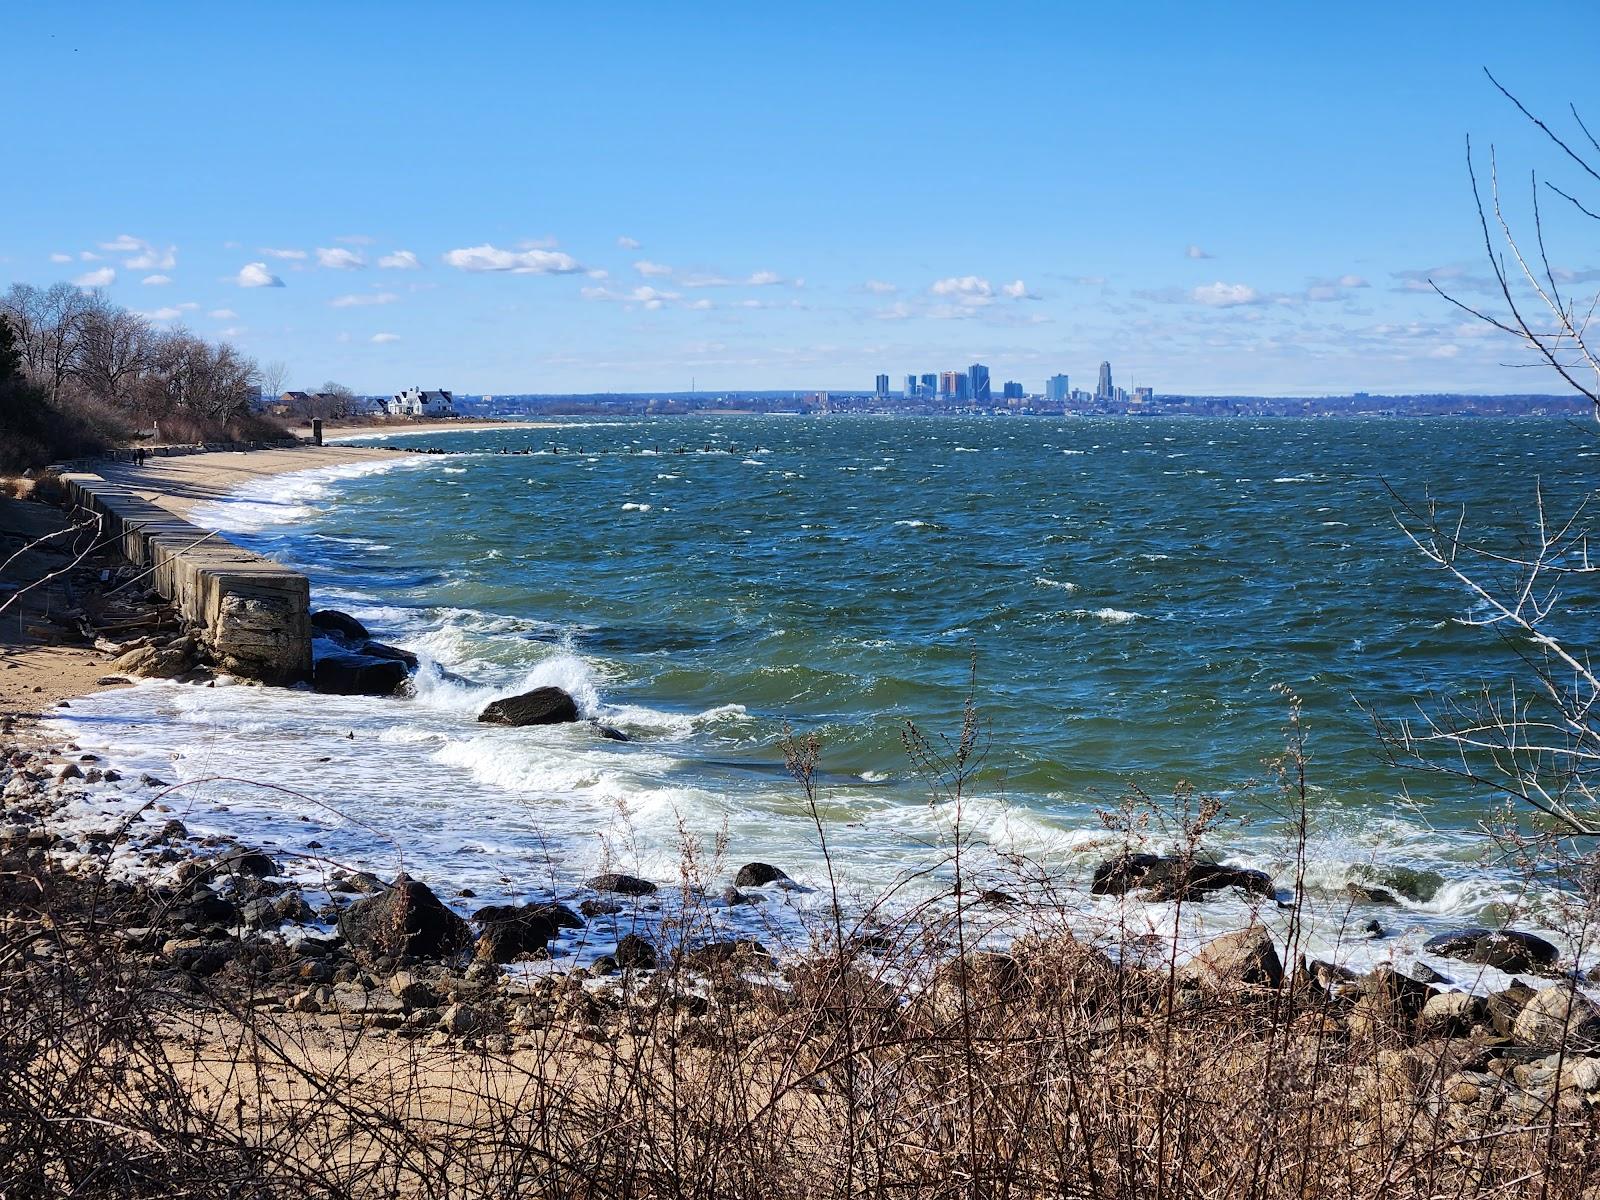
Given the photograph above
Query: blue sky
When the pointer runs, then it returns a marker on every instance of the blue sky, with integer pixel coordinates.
(521, 197)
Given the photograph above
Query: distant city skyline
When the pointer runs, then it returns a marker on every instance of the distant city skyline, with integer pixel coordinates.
(1246, 206)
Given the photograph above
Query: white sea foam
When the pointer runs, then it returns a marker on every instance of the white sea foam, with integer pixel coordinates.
(1111, 616)
(634, 506)
(1064, 585)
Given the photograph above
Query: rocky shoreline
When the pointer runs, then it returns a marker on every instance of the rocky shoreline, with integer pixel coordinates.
(209, 915)
(392, 958)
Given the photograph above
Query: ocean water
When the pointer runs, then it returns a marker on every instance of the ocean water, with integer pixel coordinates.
(1122, 600)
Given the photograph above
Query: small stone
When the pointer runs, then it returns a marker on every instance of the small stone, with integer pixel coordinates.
(460, 1020)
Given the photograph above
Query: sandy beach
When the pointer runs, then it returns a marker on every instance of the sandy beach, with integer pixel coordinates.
(180, 484)
(39, 666)
(344, 432)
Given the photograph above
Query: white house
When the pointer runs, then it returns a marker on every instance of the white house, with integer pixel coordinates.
(414, 402)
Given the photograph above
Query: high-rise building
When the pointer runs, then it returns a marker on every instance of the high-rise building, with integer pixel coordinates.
(881, 390)
(911, 387)
(978, 383)
(1012, 390)
(1103, 390)
(952, 385)
(1057, 389)
(930, 386)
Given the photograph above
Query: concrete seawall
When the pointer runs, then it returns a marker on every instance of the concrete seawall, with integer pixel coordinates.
(253, 614)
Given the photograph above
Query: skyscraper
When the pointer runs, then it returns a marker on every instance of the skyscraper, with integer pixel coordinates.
(911, 387)
(882, 388)
(1057, 389)
(1103, 390)
(978, 383)
(952, 384)
(930, 386)
(1012, 390)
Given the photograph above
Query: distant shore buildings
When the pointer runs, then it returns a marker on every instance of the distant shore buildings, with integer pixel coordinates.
(414, 402)
(972, 389)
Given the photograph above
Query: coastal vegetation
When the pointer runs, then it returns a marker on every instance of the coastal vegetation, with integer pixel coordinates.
(79, 374)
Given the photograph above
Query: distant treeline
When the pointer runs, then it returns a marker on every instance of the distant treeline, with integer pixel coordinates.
(78, 373)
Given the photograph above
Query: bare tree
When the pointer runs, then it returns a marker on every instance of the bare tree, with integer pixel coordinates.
(271, 376)
(1537, 740)
(1551, 322)
(113, 350)
(49, 326)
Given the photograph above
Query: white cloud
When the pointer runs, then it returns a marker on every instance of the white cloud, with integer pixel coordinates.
(598, 273)
(339, 259)
(104, 277)
(968, 292)
(256, 275)
(700, 305)
(383, 339)
(962, 285)
(61, 258)
(1448, 350)
(156, 280)
(355, 239)
(645, 267)
(145, 256)
(628, 243)
(292, 255)
(231, 331)
(755, 279)
(88, 256)
(165, 314)
(1195, 252)
(223, 314)
(518, 262)
(1017, 290)
(151, 259)
(879, 288)
(1333, 289)
(363, 299)
(898, 311)
(1225, 295)
(400, 260)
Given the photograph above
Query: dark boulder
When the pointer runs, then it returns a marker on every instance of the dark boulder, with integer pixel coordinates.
(249, 862)
(340, 625)
(596, 907)
(394, 653)
(1390, 885)
(406, 918)
(759, 874)
(357, 675)
(542, 706)
(1504, 949)
(208, 910)
(741, 952)
(516, 931)
(622, 885)
(1166, 877)
(635, 953)
(611, 733)
(1399, 992)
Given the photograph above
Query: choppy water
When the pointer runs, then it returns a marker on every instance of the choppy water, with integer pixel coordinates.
(1129, 592)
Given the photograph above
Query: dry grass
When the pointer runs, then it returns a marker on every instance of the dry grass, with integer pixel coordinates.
(900, 1057)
